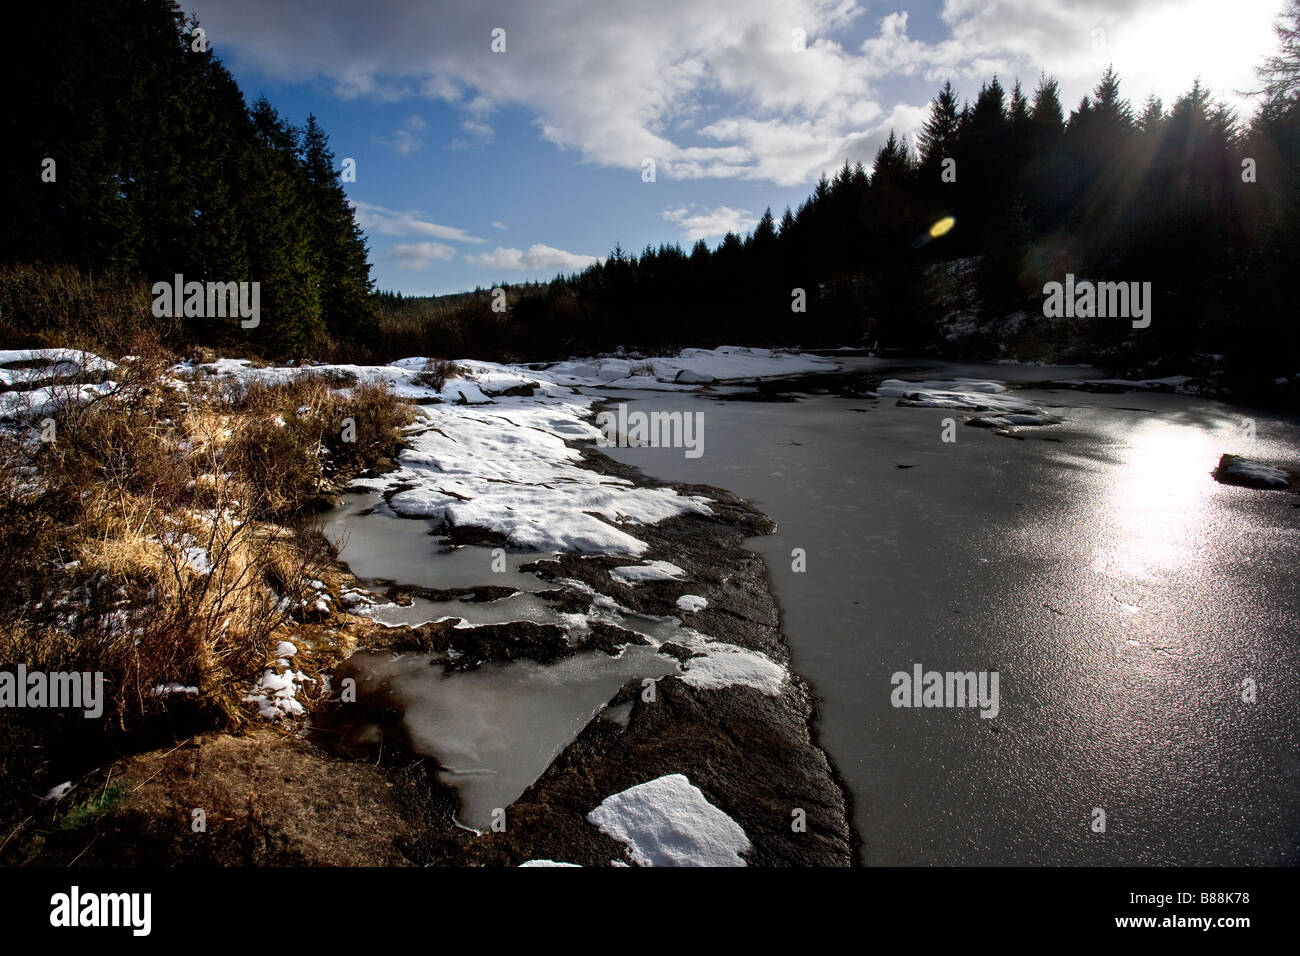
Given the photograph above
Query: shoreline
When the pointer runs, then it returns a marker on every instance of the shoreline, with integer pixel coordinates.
(603, 760)
(288, 794)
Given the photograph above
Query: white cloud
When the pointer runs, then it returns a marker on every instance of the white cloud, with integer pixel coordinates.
(537, 256)
(1156, 46)
(417, 255)
(406, 138)
(700, 223)
(390, 222)
(479, 134)
(499, 225)
(716, 89)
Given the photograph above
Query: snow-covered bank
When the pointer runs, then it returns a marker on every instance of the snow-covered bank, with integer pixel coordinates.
(504, 465)
(690, 368)
(21, 366)
(501, 449)
(483, 381)
(510, 471)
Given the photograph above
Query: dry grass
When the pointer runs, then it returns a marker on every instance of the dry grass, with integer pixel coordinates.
(161, 538)
(59, 305)
(435, 373)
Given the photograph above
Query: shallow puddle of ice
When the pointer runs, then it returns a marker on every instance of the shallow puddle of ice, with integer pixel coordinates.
(497, 728)
(494, 729)
(378, 544)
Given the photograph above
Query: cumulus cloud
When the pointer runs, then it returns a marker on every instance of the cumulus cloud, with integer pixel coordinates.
(700, 223)
(417, 255)
(381, 221)
(536, 256)
(721, 89)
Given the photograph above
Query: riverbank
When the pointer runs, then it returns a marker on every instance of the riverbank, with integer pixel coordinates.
(722, 732)
(597, 671)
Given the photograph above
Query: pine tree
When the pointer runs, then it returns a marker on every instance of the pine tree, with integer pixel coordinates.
(1047, 112)
(938, 137)
(339, 247)
(1018, 111)
(1153, 116)
(990, 115)
(1281, 71)
(1109, 108)
(281, 251)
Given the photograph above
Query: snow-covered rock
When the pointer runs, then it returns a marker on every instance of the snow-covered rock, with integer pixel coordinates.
(547, 863)
(963, 394)
(689, 377)
(669, 822)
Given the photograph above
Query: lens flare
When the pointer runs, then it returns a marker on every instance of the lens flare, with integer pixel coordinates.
(942, 227)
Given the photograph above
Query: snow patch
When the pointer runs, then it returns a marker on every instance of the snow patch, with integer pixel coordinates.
(276, 693)
(669, 822)
(726, 664)
(692, 603)
(647, 571)
(547, 863)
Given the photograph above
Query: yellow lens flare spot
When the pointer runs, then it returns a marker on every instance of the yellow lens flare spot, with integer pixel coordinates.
(942, 227)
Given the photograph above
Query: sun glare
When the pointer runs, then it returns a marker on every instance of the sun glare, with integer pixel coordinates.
(1155, 506)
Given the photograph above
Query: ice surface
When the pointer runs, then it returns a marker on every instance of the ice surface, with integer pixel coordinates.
(496, 729)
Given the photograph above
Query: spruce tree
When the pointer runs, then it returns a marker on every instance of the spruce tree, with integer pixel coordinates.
(938, 137)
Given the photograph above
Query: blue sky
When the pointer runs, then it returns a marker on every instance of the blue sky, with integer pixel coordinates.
(476, 167)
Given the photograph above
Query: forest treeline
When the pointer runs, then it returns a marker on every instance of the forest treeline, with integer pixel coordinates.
(1187, 196)
(131, 156)
(162, 168)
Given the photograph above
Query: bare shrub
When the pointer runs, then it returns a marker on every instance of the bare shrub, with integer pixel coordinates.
(435, 373)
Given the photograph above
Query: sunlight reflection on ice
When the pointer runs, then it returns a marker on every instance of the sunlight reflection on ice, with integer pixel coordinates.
(1155, 507)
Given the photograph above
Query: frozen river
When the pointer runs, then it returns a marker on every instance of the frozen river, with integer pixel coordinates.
(1127, 601)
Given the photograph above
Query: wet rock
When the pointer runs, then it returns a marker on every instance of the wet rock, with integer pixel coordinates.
(682, 653)
(464, 648)
(1236, 470)
(478, 594)
(611, 638)
(749, 753)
